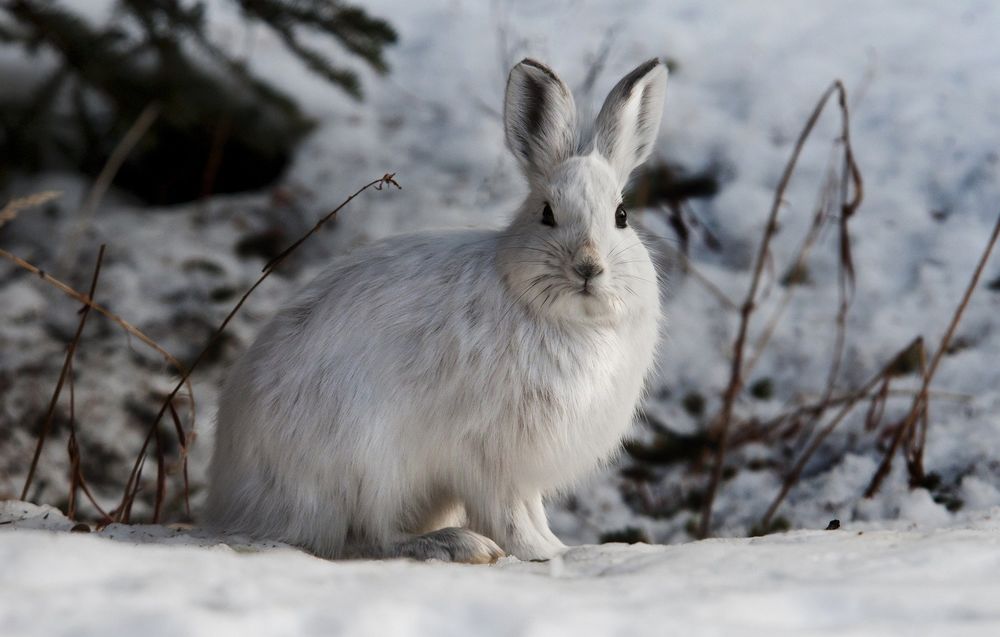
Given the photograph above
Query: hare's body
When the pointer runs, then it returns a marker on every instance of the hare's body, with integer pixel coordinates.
(435, 381)
(407, 424)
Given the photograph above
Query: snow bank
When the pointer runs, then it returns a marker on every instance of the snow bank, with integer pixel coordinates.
(844, 582)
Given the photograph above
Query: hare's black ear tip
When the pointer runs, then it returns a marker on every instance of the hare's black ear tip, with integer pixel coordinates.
(530, 62)
(535, 64)
(650, 64)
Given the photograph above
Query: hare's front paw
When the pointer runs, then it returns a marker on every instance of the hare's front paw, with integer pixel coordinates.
(538, 552)
(452, 544)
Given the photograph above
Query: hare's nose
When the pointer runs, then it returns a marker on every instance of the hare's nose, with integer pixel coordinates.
(588, 269)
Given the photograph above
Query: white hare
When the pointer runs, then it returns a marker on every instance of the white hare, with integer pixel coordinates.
(424, 394)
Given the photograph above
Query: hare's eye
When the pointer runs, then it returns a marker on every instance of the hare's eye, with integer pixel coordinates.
(548, 218)
(621, 216)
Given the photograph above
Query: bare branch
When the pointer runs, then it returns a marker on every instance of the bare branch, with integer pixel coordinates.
(67, 363)
(723, 420)
(920, 400)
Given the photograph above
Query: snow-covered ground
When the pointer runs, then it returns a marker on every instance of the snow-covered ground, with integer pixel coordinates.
(924, 92)
(155, 581)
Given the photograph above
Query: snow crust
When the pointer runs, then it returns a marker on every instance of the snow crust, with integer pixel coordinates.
(157, 581)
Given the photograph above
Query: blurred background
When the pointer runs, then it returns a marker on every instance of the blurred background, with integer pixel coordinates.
(198, 139)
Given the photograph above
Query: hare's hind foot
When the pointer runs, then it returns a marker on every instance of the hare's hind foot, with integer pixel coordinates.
(452, 544)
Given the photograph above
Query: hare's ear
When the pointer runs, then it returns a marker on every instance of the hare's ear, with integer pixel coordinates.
(539, 118)
(627, 125)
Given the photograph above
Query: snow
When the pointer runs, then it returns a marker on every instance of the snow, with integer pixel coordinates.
(155, 581)
(923, 87)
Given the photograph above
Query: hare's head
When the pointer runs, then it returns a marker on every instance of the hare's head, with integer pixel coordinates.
(571, 252)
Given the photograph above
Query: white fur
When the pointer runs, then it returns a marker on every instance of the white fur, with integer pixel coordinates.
(453, 379)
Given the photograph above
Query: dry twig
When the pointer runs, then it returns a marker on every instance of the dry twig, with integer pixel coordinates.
(689, 268)
(107, 175)
(724, 419)
(920, 400)
(185, 443)
(816, 408)
(9, 212)
(100, 309)
(798, 266)
(67, 363)
(854, 398)
(15, 206)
